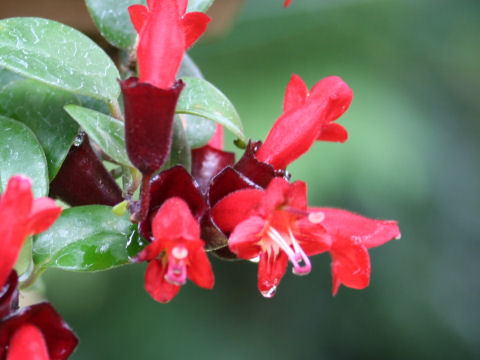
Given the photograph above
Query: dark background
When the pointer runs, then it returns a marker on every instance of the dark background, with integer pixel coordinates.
(413, 156)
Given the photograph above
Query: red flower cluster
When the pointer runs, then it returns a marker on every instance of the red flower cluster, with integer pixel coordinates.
(246, 209)
(37, 331)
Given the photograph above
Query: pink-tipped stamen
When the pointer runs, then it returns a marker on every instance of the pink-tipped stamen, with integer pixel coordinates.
(298, 258)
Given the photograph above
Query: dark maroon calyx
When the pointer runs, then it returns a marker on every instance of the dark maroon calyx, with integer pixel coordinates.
(174, 182)
(149, 116)
(9, 295)
(83, 180)
(59, 338)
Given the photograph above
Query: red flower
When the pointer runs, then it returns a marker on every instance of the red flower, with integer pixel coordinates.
(275, 225)
(165, 33)
(38, 330)
(352, 235)
(308, 116)
(21, 216)
(177, 241)
(287, 3)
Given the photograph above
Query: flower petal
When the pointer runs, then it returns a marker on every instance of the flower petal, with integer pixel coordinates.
(194, 25)
(333, 132)
(156, 285)
(175, 221)
(372, 233)
(244, 240)
(199, 269)
(350, 264)
(271, 269)
(296, 93)
(161, 45)
(43, 214)
(217, 139)
(27, 344)
(275, 195)
(339, 94)
(138, 16)
(235, 208)
(312, 237)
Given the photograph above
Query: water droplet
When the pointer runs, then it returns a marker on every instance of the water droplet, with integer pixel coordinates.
(316, 217)
(269, 293)
(78, 139)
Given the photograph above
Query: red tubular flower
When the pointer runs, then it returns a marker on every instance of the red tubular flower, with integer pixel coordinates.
(21, 216)
(177, 241)
(275, 225)
(165, 33)
(352, 235)
(307, 117)
(39, 330)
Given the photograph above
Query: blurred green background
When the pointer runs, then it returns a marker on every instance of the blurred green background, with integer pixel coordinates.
(413, 156)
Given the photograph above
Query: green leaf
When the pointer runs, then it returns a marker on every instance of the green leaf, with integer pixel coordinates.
(180, 152)
(84, 238)
(106, 131)
(40, 107)
(199, 5)
(21, 153)
(57, 55)
(197, 129)
(201, 98)
(113, 21)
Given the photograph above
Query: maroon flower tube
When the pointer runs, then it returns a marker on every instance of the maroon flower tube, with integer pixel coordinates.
(149, 113)
(83, 180)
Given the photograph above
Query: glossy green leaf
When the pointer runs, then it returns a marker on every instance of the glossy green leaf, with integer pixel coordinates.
(21, 153)
(180, 152)
(84, 238)
(201, 98)
(197, 129)
(57, 55)
(199, 5)
(40, 107)
(113, 21)
(106, 131)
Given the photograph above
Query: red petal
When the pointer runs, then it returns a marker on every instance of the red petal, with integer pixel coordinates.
(350, 264)
(138, 16)
(162, 45)
(150, 252)
(156, 285)
(27, 344)
(43, 215)
(368, 231)
(216, 141)
(296, 93)
(182, 7)
(340, 96)
(194, 24)
(199, 269)
(333, 132)
(275, 195)
(244, 240)
(15, 205)
(297, 195)
(313, 237)
(175, 221)
(295, 131)
(271, 269)
(235, 208)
